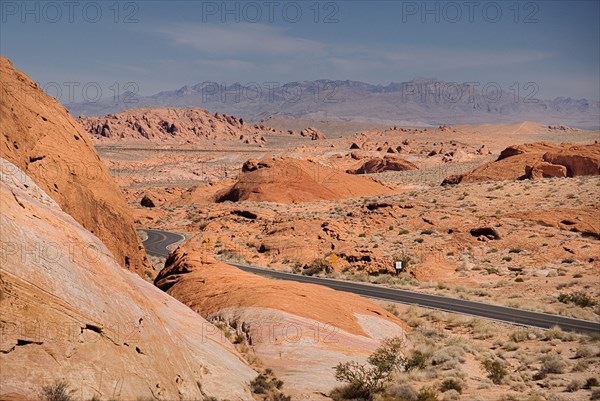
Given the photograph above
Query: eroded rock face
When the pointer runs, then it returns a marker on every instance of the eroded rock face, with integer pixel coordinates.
(299, 330)
(578, 160)
(147, 202)
(386, 163)
(40, 137)
(537, 160)
(69, 312)
(287, 180)
(174, 125)
(313, 133)
(545, 170)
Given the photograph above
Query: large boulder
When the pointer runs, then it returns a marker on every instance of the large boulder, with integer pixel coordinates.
(386, 163)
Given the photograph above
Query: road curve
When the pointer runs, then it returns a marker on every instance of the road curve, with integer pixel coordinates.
(158, 241)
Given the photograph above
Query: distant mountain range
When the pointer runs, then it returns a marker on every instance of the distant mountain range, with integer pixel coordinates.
(420, 102)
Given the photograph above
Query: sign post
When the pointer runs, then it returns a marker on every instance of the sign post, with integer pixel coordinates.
(398, 267)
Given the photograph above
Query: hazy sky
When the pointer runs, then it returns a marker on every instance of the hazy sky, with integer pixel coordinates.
(165, 45)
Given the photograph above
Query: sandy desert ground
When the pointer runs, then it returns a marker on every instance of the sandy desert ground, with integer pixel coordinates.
(288, 205)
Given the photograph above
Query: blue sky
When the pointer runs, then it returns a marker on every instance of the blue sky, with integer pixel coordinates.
(163, 45)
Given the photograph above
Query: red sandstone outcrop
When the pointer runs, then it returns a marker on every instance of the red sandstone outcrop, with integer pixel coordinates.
(286, 180)
(42, 139)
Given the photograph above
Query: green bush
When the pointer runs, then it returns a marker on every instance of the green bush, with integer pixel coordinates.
(577, 298)
(366, 380)
(495, 369)
(418, 360)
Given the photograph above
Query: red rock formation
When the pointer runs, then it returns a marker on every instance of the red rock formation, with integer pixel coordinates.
(288, 180)
(40, 137)
(387, 163)
(537, 160)
(176, 125)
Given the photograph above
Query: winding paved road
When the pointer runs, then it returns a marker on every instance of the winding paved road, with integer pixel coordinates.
(158, 241)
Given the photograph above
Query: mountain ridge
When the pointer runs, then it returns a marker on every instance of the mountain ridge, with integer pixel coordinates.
(422, 101)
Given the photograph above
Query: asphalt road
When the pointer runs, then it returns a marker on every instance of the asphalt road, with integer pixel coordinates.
(157, 242)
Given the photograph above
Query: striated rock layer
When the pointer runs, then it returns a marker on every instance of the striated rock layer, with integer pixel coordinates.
(42, 139)
(68, 311)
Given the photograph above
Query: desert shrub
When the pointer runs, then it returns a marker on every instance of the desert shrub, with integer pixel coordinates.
(451, 384)
(495, 369)
(578, 298)
(595, 394)
(448, 357)
(366, 380)
(317, 266)
(584, 351)
(581, 366)
(556, 333)
(417, 360)
(591, 382)
(552, 364)
(350, 392)
(393, 309)
(59, 391)
(511, 346)
(427, 394)
(451, 395)
(574, 385)
(267, 383)
(239, 338)
(404, 392)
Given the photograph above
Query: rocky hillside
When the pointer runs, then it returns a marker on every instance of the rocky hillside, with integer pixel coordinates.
(175, 126)
(69, 312)
(286, 180)
(42, 139)
(536, 160)
(299, 330)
